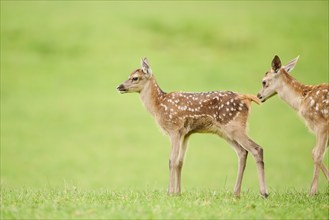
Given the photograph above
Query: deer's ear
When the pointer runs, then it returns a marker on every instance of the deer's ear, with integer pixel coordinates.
(146, 66)
(291, 65)
(276, 64)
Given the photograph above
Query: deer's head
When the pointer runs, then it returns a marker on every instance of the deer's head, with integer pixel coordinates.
(137, 79)
(271, 81)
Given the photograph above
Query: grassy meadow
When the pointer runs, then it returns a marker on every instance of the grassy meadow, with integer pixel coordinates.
(72, 147)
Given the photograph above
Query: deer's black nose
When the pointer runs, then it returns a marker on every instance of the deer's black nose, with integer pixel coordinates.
(259, 96)
(121, 88)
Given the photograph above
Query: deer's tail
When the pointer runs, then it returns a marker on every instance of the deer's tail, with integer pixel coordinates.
(250, 98)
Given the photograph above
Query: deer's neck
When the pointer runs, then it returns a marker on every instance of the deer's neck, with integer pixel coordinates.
(292, 91)
(151, 95)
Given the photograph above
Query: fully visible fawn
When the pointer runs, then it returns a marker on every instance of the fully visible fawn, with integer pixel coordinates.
(310, 101)
(181, 114)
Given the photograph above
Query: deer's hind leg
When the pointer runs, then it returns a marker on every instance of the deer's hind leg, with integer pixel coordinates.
(257, 153)
(318, 154)
(242, 157)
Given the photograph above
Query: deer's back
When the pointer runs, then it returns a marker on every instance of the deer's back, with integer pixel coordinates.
(315, 106)
(201, 112)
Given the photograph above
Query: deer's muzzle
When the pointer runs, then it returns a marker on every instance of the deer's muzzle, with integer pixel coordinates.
(121, 88)
(261, 98)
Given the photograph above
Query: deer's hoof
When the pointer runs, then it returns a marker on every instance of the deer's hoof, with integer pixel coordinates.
(265, 195)
(236, 195)
(313, 193)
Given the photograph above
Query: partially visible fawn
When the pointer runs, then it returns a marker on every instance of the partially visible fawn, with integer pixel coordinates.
(310, 101)
(181, 114)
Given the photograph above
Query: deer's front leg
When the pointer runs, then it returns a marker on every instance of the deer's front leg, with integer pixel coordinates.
(181, 157)
(173, 162)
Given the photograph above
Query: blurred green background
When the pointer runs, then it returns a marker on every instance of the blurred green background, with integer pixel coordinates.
(63, 122)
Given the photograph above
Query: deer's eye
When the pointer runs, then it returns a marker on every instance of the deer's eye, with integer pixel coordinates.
(264, 83)
(135, 78)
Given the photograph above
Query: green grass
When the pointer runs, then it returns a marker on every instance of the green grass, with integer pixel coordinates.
(72, 147)
(72, 203)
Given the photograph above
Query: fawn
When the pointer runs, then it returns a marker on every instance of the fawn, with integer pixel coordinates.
(181, 114)
(310, 101)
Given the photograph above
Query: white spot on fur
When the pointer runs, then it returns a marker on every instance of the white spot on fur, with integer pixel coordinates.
(312, 102)
(165, 107)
